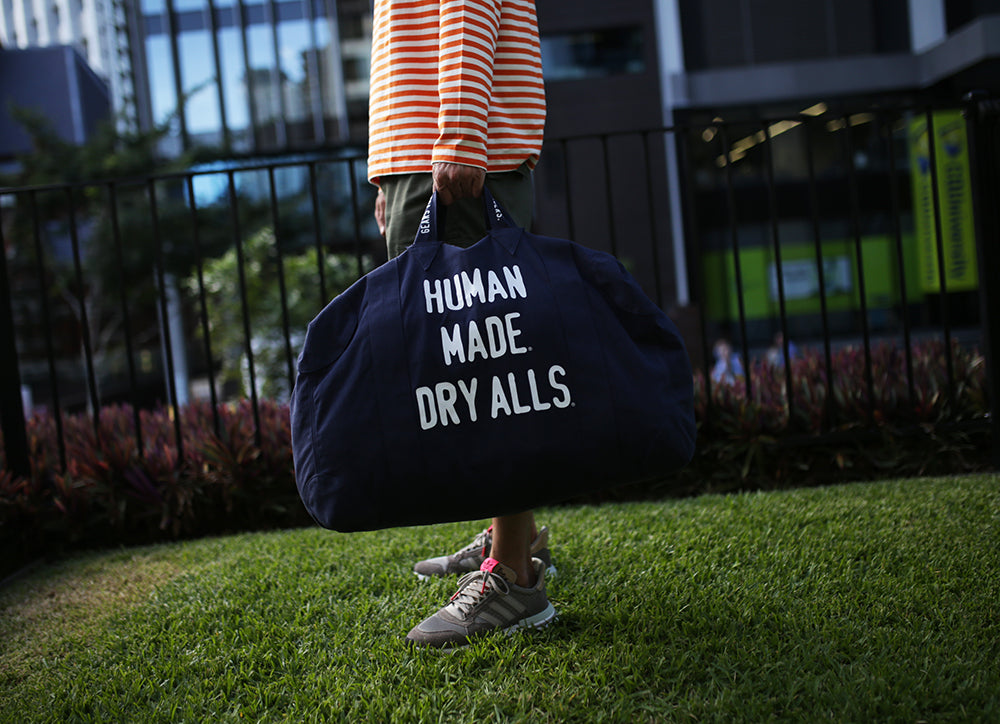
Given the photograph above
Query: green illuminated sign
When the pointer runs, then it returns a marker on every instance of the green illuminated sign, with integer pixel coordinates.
(954, 198)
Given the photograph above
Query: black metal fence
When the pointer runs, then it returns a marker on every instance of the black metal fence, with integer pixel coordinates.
(824, 230)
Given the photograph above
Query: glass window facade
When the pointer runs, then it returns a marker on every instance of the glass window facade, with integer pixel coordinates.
(202, 115)
(162, 90)
(256, 75)
(592, 53)
(232, 75)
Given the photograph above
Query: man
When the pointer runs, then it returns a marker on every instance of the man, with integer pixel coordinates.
(457, 101)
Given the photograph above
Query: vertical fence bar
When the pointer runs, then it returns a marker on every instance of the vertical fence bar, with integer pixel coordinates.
(570, 229)
(609, 197)
(696, 275)
(654, 246)
(244, 304)
(772, 203)
(982, 116)
(15, 433)
(735, 245)
(285, 322)
(897, 232)
(355, 217)
(88, 355)
(116, 235)
(320, 254)
(165, 341)
(814, 213)
(43, 289)
(939, 247)
(855, 212)
(203, 303)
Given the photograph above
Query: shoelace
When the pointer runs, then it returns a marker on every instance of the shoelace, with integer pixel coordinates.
(469, 595)
(481, 544)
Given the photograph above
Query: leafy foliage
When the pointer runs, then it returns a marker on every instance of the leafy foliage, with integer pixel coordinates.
(270, 305)
(127, 480)
(837, 427)
(93, 236)
(116, 490)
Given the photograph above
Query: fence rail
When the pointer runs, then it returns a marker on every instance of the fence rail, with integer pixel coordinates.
(834, 230)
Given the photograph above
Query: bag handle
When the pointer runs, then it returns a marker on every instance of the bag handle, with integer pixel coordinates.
(431, 226)
(430, 230)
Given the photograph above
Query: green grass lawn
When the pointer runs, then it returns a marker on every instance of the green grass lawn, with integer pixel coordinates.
(875, 602)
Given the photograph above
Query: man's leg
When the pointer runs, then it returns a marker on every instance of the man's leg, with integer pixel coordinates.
(406, 198)
(508, 592)
(512, 536)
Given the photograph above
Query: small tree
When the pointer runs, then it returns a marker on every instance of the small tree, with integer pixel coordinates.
(273, 353)
(101, 193)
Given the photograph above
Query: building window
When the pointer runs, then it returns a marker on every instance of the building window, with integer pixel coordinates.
(153, 7)
(198, 81)
(163, 97)
(294, 55)
(592, 53)
(234, 87)
(181, 6)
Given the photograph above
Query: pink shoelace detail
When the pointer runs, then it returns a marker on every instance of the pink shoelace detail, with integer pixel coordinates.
(466, 598)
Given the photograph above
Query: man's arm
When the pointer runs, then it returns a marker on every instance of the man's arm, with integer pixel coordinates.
(468, 37)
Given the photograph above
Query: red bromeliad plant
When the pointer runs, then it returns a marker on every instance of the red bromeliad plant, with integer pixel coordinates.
(126, 484)
(115, 490)
(838, 425)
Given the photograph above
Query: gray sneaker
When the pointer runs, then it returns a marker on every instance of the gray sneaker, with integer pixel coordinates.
(487, 600)
(471, 557)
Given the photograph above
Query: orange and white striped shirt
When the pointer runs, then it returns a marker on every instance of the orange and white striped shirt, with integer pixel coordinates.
(457, 81)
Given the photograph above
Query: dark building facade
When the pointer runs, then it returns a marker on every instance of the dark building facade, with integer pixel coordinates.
(56, 83)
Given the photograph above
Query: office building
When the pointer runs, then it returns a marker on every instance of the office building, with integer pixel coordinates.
(97, 29)
(56, 83)
(252, 76)
(266, 77)
(657, 199)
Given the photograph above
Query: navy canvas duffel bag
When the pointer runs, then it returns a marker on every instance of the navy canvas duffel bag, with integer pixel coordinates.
(458, 384)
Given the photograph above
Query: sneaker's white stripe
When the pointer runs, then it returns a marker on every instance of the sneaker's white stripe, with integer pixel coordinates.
(508, 609)
(491, 619)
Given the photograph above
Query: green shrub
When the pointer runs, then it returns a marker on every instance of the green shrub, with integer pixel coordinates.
(115, 492)
(841, 430)
(264, 298)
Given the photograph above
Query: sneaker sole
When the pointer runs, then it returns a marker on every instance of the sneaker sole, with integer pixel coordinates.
(538, 621)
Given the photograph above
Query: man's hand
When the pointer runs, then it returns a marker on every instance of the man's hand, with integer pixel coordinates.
(454, 181)
(380, 211)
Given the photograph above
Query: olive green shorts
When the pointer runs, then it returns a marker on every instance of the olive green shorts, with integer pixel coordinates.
(406, 197)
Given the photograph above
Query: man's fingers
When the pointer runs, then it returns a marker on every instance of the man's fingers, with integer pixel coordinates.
(444, 187)
(455, 181)
(380, 212)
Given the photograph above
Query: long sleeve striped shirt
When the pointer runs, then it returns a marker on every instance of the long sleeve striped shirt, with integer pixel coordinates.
(458, 81)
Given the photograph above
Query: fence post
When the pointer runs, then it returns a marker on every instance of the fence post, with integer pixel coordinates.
(982, 115)
(15, 436)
